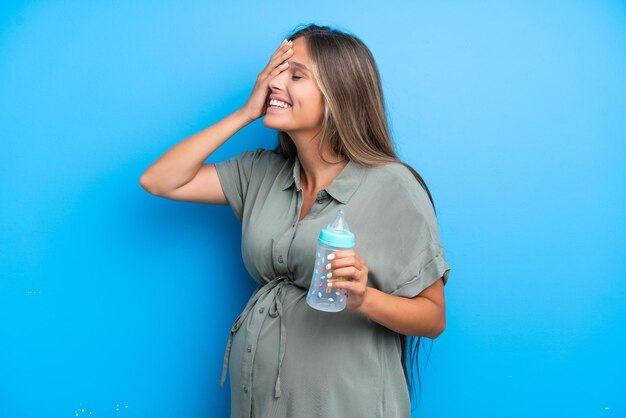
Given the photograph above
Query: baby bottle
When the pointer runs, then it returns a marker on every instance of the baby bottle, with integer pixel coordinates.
(336, 236)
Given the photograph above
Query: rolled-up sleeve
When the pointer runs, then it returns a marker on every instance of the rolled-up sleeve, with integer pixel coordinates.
(409, 256)
(427, 267)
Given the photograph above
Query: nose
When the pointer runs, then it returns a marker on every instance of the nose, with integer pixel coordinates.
(278, 81)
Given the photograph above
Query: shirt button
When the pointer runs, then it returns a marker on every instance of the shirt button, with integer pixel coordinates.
(280, 258)
(261, 310)
(249, 348)
(245, 388)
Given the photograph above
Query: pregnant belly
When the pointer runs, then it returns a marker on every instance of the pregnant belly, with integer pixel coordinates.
(322, 351)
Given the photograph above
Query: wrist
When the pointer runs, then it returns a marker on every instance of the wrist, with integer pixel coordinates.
(243, 116)
(365, 306)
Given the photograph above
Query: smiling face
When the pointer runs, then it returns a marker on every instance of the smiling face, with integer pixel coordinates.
(296, 86)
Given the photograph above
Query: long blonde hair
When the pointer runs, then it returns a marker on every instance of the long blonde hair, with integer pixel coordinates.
(355, 121)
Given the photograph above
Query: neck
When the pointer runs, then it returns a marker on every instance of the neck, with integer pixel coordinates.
(315, 173)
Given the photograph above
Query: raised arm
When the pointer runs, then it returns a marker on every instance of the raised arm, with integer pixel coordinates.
(181, 174)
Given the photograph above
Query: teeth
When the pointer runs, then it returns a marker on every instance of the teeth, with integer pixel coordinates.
(278, 103)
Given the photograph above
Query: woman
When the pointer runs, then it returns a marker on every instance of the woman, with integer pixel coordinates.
(321, 91)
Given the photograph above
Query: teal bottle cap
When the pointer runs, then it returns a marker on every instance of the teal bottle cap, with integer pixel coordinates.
(337, 233)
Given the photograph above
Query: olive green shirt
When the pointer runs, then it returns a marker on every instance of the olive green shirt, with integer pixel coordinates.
(287, 359)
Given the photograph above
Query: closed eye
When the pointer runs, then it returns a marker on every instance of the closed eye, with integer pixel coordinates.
(295, 77)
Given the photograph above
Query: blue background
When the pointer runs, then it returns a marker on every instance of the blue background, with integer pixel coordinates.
(117, 303)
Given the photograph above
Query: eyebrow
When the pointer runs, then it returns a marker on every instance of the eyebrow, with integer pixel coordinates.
(298, 65)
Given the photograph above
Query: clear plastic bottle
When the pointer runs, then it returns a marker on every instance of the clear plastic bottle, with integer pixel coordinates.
(336, 236)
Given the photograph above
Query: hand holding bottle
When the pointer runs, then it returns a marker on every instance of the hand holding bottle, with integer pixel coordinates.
(340, 275)
(350, 266)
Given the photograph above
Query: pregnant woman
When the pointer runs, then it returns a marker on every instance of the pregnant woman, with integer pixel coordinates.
(321, 92)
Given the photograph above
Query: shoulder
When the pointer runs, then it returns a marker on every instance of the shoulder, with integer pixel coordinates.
(399, 191)
(258, 161)
(390, 171)
(262, 156)
(396, 179)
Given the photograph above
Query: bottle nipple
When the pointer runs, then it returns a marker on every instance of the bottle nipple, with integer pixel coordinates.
(340, 222)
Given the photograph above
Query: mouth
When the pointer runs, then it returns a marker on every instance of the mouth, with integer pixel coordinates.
(278, 105)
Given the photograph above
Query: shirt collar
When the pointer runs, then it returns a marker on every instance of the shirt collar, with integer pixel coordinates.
(343, 186)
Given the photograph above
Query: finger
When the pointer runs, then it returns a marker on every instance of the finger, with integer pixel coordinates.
(276, 63)
(281, 56)
(279, 68)
(342, 262)
(351, 272)
(350, 286)
(284, 47)
(341, 254)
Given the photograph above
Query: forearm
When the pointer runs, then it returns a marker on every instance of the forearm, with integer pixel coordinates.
(409, 316)
(181, 163)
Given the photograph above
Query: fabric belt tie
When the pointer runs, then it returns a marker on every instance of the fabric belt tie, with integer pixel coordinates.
(276, 310)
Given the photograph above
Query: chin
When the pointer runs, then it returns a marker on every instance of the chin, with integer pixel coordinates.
(271, 124)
